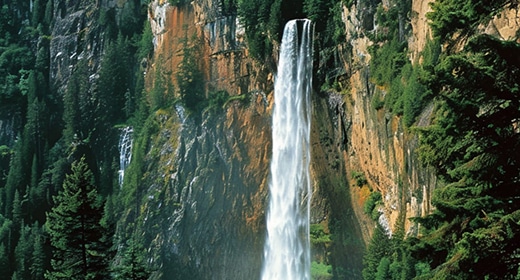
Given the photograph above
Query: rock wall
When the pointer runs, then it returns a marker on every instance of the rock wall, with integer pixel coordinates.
(217, 174)
(10, 125)
(205, 192)
(379, 146)
(201, 204)
(75, 35)
(206, 188)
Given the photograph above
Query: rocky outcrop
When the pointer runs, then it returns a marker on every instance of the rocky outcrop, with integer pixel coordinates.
(212, 196)
(201, 212)
(504, 25)
(379, 146)
(223, 60)
(75, 35)
(421, 31)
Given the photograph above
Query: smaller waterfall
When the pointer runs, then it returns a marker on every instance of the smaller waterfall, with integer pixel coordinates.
(126, 140)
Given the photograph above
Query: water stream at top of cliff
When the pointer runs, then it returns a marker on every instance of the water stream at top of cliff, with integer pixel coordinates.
(125, 151)
(287, 246)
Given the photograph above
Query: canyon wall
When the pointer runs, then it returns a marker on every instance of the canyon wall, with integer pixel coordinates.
(205, 191)
(200, 206)
(205, 205)
(218, 169)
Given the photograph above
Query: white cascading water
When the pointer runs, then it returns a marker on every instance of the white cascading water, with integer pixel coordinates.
(125, 151)
(287, 247)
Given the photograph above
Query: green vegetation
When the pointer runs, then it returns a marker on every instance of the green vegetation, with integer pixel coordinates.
(370, 207)
(64, 160)
(471, 233)
(43, 196)
(389, 258)
(264, 22)
(321, 271)
(132, 266)
(318, 235)
(80, 244)
(474, 122)
(403, 84)
(360, 178)
(190, 78)
(462, 16)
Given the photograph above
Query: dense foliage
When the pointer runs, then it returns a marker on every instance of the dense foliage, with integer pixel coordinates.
(399, 79)
(472, 144)
(80, 242)
(57, 173)
(450, 17)
(264, 22)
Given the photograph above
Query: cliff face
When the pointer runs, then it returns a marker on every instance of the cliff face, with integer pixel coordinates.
(215, 185)
(200, 205)
(75, 35)
(206, 188)
(207, 179)
(379, 146)
(204, 208)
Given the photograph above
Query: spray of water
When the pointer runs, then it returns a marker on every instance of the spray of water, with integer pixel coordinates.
(287, 248)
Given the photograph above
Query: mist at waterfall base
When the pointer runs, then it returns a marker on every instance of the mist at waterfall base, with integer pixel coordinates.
(287, 247)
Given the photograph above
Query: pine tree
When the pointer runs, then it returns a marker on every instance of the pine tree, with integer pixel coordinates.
(16, 179)
(76, 234)
(132, 264)
(71, 114)
(23, 252)
(17, 209)
(38, 257)
(114, 81)
(4, 259)
(190, 78)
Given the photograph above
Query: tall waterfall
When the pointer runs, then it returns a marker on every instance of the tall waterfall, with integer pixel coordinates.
(287, 247)
(125, 151)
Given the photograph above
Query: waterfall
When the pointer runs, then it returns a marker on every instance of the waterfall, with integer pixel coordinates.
(287, 247)
(125, 151)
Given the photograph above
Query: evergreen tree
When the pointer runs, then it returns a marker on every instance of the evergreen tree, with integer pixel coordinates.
(38, 257)
(16, 178)
(23, 252)
(71, 110)
(474, 145)
(17, 209)
(378, 249)
(190, 78)
(132, 265)
(383, 269)
(4, 259)
(114, 81)
(6, 241)
(47, 18)
(76, 234)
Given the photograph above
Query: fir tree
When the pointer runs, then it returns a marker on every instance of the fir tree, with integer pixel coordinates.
(23, 252)
(4, 259)
(38, 257)
(132, 265)
(76, 234)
